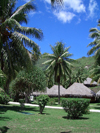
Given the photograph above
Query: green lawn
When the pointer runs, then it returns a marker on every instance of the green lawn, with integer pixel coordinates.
(52, 121)
(95, 106)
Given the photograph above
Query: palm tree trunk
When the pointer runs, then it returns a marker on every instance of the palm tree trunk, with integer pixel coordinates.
(2, 62)
(58, 93)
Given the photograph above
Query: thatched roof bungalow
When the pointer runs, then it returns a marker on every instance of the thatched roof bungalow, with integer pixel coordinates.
(75, 90)
(80, 90)
(98, 94)
(88, 83)
(52, 92)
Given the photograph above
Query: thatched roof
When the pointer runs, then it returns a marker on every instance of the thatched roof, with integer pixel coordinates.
(87, 82)
(53, 91)
(79, 89)
(98, 93)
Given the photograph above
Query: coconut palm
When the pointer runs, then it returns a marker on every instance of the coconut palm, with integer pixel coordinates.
(58, 64)
(14, 38)
(12, 34)
(95, 74)
(95, 34)
(56, 1)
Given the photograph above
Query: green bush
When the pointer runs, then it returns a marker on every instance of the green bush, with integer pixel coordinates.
(42, 101)
(75, 107)
(22, 101)
(4, 98)
(51, 101)
(56, 99)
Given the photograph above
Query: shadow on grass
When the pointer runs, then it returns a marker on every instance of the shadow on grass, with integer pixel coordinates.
(4, 118)
(80, 118)
(3, 129)
(96, 107)
(18, 108)
(66, 132)
(44, 114)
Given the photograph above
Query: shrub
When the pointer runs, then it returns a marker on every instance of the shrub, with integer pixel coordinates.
(42, 101)
(22, 101)
(75, 107)
(4, 98)
(51, 101)
(56, 99)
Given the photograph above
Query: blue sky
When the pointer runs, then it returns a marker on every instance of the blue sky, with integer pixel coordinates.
(69, 24)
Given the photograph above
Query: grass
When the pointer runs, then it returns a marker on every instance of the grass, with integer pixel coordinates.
(52, 120)
(95, 106)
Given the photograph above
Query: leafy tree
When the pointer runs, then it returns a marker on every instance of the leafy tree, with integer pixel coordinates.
(2, 79)
(35, 55)
(14, 37)
(58, 64)
(28, 81)
(42, 101)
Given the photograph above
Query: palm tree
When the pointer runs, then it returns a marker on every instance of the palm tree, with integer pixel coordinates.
(95, 74)
(57, 2)
(95, 34)
(13, 37)
(12, 34)
(58, 64)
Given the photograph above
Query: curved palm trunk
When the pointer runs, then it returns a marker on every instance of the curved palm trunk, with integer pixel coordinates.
(58, 93)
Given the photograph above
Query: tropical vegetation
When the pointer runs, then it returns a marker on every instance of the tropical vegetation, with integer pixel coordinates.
(58, 63)
(42, 101)
(14, 38)
(75, 107)
(26, 82)
(95, 34)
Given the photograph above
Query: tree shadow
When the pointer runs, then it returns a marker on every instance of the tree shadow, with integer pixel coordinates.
(97, 107)
(2, 109)
(3, 129)
(4, 118)
(66, 132)
(80, 118)
(44, 114)
(18, 108)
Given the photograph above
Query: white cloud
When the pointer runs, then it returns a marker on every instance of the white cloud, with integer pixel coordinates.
(64, 16)
(34, 12)
(76, 5)
(26, 0)
(72, 8)
(48, 1)
(92, 7)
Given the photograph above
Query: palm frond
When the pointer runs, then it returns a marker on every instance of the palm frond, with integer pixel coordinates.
(64, 54)
(34, 32)
(47, 62)
(25, 40)
(24, 9)
(94, 34)
(50, 56)
(9, 23)
(94, 30)
(93, 49)
(68, 63)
